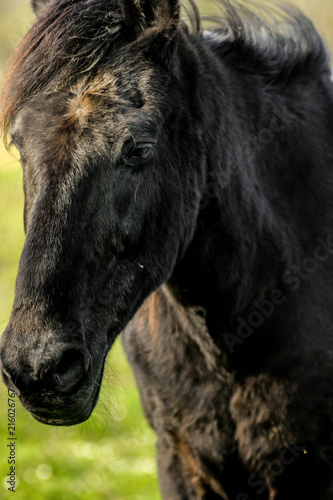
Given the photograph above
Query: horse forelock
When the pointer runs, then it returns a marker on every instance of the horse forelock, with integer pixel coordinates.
(69, 40)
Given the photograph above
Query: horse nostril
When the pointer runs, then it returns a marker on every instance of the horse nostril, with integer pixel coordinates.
(70, 370)
(16, 381)
(8, 381)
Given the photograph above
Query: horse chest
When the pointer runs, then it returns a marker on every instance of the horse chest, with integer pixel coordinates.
(196, 407)
(184, 394)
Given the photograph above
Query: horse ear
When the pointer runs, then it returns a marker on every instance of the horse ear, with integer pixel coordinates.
(151, 22)
(39, 5)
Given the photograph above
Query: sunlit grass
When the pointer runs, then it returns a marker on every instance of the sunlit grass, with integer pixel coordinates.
(111, 456)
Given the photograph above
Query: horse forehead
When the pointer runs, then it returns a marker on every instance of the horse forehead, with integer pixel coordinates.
(121, 87)
(91, 98)
(101, 108)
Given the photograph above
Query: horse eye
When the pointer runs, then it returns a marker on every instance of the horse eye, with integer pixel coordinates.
(137, 154)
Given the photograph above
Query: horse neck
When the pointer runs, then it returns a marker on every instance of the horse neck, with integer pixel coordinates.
(232, 258)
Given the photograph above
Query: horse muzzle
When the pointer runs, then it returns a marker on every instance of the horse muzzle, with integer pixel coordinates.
(55, 384)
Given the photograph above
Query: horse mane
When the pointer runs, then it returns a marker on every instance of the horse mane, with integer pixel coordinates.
(73, 37)
(275, 40)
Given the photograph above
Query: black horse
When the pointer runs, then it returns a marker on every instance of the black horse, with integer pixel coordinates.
(178, 183)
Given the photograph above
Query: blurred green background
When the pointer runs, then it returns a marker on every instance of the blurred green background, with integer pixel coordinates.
(112, 455)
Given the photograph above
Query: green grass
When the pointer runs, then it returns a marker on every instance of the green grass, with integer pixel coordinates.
(112, 455)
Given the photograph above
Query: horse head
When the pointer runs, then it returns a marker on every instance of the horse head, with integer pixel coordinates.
(107, 126)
